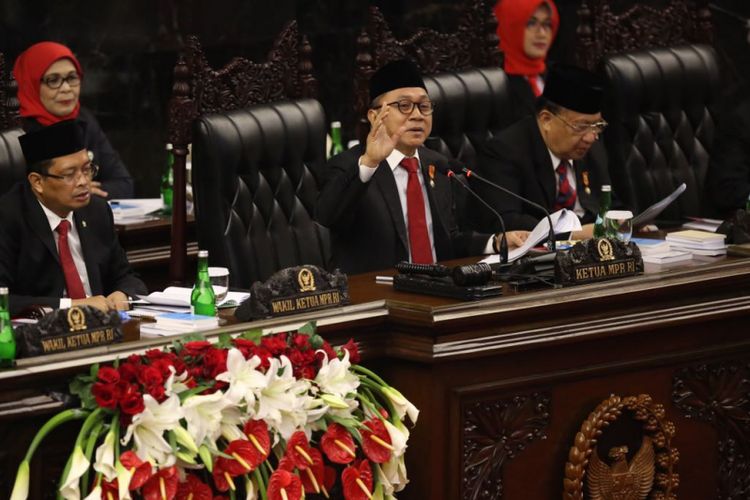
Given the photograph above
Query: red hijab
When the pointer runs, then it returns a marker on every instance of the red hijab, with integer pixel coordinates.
(512, 17)
(28, 72)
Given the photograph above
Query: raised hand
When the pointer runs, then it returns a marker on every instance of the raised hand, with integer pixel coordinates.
(380, 144)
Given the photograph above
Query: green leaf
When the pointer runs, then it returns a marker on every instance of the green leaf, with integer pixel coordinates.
(308, 328)
(94, 370)
(253, 335)
(192, 392)
(81, 387)
(349, 423)
(225, 341)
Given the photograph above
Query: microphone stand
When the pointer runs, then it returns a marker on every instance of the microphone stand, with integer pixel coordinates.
(551, 237)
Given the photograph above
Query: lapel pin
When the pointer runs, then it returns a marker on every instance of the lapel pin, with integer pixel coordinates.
(83, 223)
(431, 172)
(585, 177)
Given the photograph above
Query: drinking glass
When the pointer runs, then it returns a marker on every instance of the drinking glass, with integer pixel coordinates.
(219, 277)
(619, 224)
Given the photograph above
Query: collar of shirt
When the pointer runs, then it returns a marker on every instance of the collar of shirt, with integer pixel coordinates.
(394, 159)
(54, 220)
(555, 160)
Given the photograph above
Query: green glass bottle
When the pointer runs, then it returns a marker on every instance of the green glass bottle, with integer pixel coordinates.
(747, 205)
(605, 204)
(7, 340)
(336, 144)
(203, 299)
(167, 182)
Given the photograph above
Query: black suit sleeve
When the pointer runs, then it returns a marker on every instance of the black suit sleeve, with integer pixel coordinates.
(728, 180)
(342, 190)
(119, 276)
(113, 174)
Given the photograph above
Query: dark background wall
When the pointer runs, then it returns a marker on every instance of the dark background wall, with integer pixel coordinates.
(128, 50)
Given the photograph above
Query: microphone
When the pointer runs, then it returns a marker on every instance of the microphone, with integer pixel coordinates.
(445, 170)
(455, 164)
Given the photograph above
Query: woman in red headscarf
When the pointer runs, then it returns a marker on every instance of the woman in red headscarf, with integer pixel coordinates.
(49, 84)
(526, 29)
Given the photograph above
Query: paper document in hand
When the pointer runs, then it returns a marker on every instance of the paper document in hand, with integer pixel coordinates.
(654, 210)
(563, 221)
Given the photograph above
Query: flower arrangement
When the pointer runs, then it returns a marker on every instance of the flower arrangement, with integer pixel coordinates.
(278, 417)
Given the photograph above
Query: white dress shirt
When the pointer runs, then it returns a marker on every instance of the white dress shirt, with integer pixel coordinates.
(577, 208)
(74, 242)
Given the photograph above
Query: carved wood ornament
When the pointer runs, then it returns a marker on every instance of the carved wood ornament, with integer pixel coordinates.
(650, 472)
(199, 89)
(602, 31)
(720, 395)
(493, 433)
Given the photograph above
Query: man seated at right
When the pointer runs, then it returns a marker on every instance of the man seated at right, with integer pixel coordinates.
(551, 158)
(58, 245)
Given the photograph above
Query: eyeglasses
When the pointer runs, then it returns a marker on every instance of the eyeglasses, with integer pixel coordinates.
(536, 24)
(406, 106)
(89, 172)
(56, 81)
(583, 128)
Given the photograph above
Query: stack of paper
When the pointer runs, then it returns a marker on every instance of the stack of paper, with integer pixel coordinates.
(698, 242)
(177, 299)
(563, 221)
(710, 225)
(178, 323)
(134, 211)
(660, 251)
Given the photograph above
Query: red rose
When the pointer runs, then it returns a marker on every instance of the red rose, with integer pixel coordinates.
(157, 392)
(196, 347)
(163, 365)
(308, 372)
(108, 375)
(105, 395)
(150, 376)
(134, 359)
(330, 352)
(351, 346)
(132, 404)
(265, 358)
(128, 372)
(301, 341)
(275, 343)
(215, 362)
(153, 354)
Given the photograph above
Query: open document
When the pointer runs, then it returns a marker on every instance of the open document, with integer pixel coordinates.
(134, 211)
(654, 210)
(563, 221)
(175, 297)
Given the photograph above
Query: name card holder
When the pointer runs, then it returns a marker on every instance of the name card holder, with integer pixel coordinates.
(597, 259)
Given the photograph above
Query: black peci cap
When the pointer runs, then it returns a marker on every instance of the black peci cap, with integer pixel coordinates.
(61, 139)
(574, 88)
(395, 75)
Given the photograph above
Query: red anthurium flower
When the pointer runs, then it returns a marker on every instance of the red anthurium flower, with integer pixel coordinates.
(338, 444)
(356, 481)
(312, 477)
(329, 477)
(162, 485)
(298, 449)
(285, 481)
(245, 458)
(376, 442)
(222, 477)
(257, 432)
(142, 471)
(286, 463)
(110, 490)
(193, 489)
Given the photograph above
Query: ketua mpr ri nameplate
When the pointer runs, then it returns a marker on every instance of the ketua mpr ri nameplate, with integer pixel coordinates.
(597, 259)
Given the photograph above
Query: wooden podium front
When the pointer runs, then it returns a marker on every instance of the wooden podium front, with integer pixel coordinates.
(504, 385)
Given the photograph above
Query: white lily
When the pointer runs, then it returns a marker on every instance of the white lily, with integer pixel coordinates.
(399, 435)
(96, 493)
(70, 489)
(335, 376)
(403, 406)
(175, 383)
(105, 457)
(149, 426)
(243, 378)
(123, 481)
(203, 415)
(21, 486)
(251, 492)
(231, 421)
(283, 399)
(394, 472)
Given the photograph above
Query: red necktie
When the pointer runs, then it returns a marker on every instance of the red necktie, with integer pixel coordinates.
(566, 195)
(419, 238)
(72, 278)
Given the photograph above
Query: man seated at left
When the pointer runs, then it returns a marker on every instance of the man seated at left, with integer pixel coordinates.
(58, 246)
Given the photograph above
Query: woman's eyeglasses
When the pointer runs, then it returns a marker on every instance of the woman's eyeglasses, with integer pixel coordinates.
(56, 81)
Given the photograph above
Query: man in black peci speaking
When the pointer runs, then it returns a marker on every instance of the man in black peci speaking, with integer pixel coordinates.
(58, 245)
(552, 158)
(386, 201)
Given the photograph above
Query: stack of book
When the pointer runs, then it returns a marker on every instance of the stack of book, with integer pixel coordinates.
(698, 242)
(177, 323)
(660, 251)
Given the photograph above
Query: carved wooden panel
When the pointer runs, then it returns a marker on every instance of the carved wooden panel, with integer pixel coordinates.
(603, 31)
(493, 433)
(720, 395)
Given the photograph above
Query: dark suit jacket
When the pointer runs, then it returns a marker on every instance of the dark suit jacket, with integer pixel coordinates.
(113, 174)
(518, 159)
(366, 220)
(522, 98)
(30, 264)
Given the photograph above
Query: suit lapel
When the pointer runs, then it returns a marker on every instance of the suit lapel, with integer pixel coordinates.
(383, 178)
(84, 235)
(438, 195)
(588, 202)
(545, 172)
(39, 223)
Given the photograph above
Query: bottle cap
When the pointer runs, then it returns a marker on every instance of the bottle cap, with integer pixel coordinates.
(606, 188)
(202, 253)
(335, 124)
(3, 290)
(169, 146)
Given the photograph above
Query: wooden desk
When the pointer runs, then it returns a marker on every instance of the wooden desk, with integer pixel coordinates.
(147, 246)
(503, 385)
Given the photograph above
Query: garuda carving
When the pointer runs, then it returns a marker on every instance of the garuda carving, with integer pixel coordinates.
(622, 480)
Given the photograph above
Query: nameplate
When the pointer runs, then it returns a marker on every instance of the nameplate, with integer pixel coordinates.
(67, 330)
(295, 290)
(597, 259)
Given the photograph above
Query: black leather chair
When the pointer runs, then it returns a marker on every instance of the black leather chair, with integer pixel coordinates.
(12, 162)
(660, 107)
(255, 188)
(470, 108)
